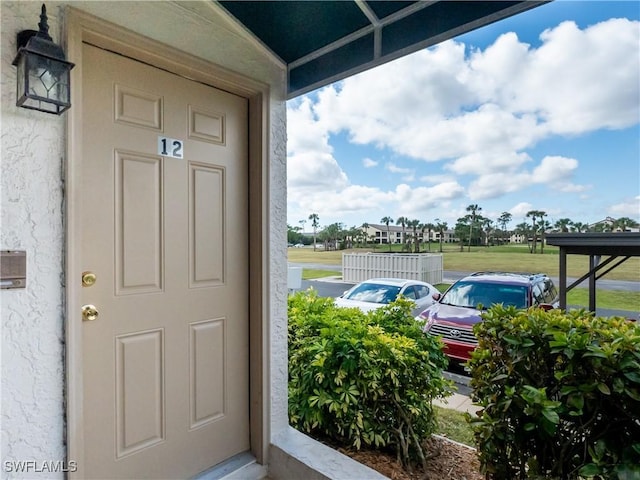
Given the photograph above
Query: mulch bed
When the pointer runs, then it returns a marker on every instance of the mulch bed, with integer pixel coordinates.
(451, 461)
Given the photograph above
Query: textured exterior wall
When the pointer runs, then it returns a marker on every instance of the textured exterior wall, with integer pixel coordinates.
(278, 272)
(32, 413)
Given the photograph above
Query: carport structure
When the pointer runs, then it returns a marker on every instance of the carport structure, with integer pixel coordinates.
(322, 41)
(618, 247)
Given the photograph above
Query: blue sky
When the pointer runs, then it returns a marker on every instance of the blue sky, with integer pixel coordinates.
(540, 111)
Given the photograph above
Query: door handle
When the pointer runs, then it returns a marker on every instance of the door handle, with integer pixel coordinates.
(89, 313)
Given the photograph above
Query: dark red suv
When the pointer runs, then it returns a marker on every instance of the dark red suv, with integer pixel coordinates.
(459, 308)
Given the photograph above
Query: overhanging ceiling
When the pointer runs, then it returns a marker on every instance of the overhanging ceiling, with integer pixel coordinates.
(322, 41)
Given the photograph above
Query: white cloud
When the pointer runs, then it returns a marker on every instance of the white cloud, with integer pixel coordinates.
(519, 211)
(408, 175)
(628, 208)
(493, 185)
(369, 163)
(554, 169)
(576, 81)
(492, 72)
(393, 168)
(573, 188)
(313, 171)
(304, 132)
(310, 162)
(475, 116)
(484, 161)
(583, 80)
(435, 179)
(425, 202)
(439, 103)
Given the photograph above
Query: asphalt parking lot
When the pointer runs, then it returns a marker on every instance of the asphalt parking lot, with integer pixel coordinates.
(330, 287)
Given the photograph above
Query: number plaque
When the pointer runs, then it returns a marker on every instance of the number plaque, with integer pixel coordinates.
(170, 147)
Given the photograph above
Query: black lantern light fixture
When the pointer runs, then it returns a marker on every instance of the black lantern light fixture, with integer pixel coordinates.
(43, 80)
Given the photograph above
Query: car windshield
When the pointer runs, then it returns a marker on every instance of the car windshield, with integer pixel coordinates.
(472, 294)
(373, 293)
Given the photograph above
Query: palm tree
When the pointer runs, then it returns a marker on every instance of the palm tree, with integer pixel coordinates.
(562, 224)
(624, 224)
(503, 219)
(364, 227)
(579, 227)
(422, 227)
(441, 227)
(545, 226)
(334, 233)
(315, 223)
(474, 209)
(352, 236)
(429, 227)
(387, 221)
(325, 237)
(487, 228)
(462, 230)
(402, 221)
(535, 214)
(414, 224)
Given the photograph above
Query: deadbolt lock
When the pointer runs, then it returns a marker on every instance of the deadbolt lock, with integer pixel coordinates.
(89, 312)
(88, 279)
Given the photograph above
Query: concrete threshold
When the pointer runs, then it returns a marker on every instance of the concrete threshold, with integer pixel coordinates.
(240, 467)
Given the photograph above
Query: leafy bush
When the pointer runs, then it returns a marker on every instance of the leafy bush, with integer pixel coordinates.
(363, 379)
(560, 394)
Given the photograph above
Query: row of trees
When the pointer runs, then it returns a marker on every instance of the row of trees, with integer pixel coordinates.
(336, 236)
(470, 229)
(475, 229)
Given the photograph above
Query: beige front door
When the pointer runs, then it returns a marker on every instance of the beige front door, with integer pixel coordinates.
(164, 231)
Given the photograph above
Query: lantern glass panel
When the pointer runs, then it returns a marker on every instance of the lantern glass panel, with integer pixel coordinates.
(43, 83)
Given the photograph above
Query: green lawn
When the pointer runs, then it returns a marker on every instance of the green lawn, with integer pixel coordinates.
(453, 425)
(310, 274)
(507, 258)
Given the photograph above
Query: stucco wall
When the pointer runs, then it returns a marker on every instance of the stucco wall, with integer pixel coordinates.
(32, 216)
(31, 219)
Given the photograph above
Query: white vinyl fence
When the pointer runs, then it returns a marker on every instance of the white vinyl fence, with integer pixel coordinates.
(294, 278)
(358, 267)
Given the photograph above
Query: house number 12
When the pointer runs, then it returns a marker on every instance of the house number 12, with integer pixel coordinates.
(170, 147)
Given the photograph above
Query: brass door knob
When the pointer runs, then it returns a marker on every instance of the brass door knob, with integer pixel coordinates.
(89, 312)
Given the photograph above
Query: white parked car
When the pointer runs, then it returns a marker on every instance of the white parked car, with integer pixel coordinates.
(377, 292)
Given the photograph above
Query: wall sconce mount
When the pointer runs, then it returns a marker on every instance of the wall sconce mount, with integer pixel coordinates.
(43, 79)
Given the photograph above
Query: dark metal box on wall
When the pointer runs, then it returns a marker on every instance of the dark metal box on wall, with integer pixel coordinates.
(13, 269)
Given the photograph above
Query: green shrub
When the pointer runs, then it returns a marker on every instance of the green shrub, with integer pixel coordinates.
(560, 394)
(363, 379)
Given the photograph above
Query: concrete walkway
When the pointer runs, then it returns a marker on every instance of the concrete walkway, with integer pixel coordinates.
(459, 402)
